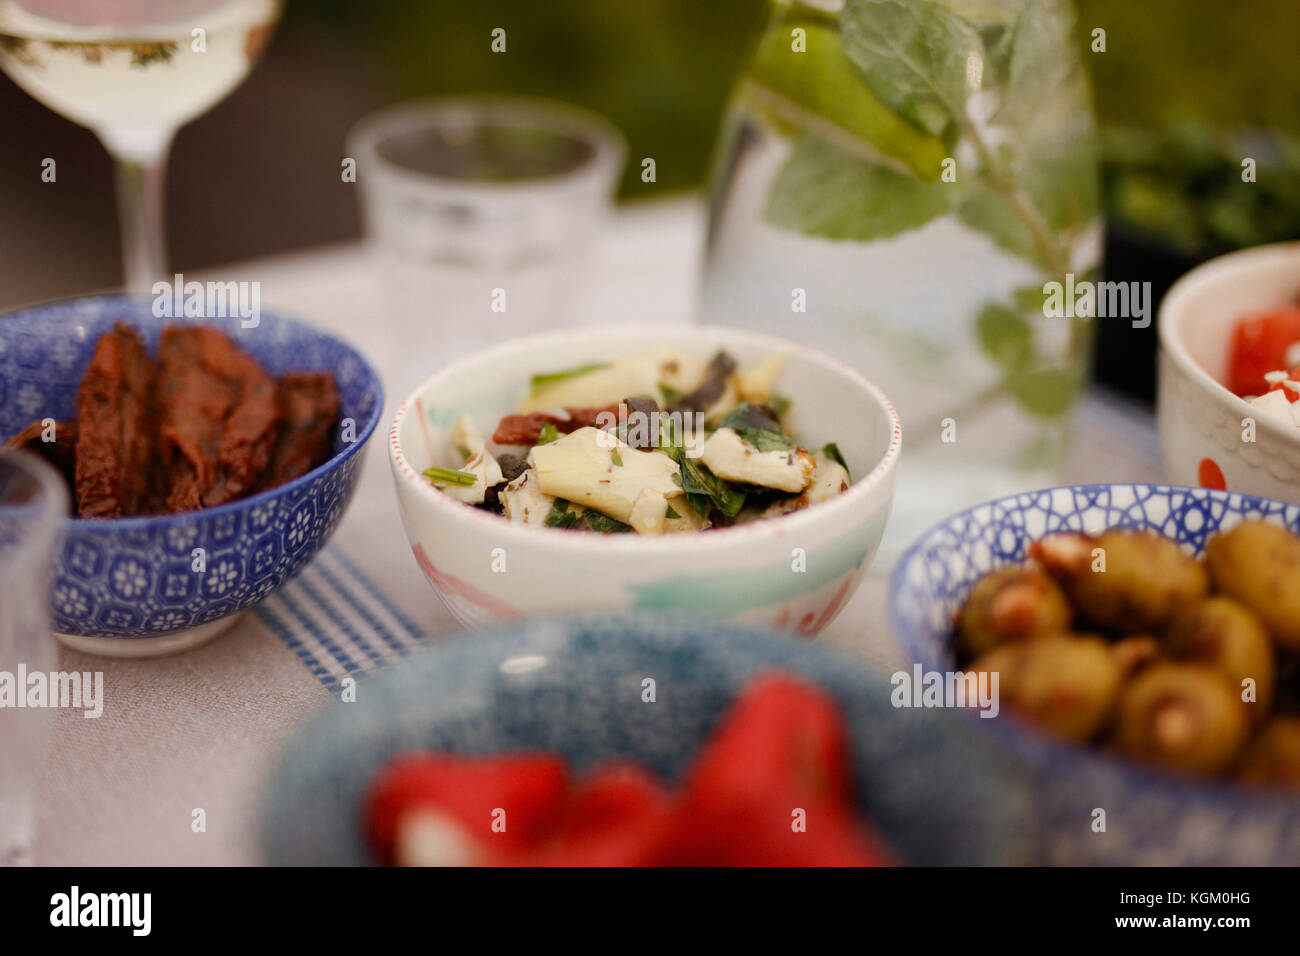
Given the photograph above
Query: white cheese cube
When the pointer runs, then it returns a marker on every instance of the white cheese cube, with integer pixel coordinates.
(1275, 405)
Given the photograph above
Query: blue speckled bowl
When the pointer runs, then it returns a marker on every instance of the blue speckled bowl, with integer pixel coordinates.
(132, 578)
(573, 685)
(1151, 817)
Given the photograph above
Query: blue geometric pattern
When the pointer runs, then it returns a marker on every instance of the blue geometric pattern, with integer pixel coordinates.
(135, 577)
(1152, 818)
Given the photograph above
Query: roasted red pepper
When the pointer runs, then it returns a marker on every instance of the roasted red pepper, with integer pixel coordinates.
(1259, 346)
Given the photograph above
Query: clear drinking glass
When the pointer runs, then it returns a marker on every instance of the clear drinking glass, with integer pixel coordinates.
(134, 71)
(898, 181)
(33, 503)
(481, 213)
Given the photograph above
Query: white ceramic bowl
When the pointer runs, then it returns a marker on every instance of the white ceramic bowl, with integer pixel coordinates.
(1202, 423)
(746, 572)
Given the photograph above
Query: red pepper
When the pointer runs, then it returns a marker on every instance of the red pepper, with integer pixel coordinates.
(618, 816)
(1259, 346)
(505, 804)
(772, 786)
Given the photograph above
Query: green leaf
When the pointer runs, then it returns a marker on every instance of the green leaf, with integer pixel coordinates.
(806, 90)
(702, 487)
(832, 451)
(550, 378)
(548, 434)
(615, 457)
(560, 516)
(823, 191)
(746, 421)
(989, 213)
(448, 476)
(779, 404)
(670, 513)
(915, 56)
(604, 523)
(669, 394)
(1048, 393)
(1042, 60)
(1004, 334)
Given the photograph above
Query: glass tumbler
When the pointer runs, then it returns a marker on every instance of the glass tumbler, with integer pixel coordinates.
(481, 212)
(33, 503)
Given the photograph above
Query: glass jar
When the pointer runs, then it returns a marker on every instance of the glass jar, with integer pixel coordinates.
(898, 184)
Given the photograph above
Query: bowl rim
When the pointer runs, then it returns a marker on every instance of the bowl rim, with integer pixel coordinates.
(1169, 324)
(1040, 750)
(73, 524)
(823, 512)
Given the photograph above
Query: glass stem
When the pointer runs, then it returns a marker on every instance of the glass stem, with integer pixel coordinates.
(140, 210)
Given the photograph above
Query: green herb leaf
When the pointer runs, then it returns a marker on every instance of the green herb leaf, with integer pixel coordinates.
(703, 488)
(670, 513)
(832, 451)
(560, 516)
(914, 55)
(749, 422)
(669, 394)
(550, 378)
(1005, 335)
(823, 191)
(548, 434)
(615, 457)
(1048, 393)
(449, 476)
(779, 404)
(603, 523)
(818, 89)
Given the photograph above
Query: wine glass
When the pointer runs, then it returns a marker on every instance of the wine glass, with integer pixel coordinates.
(134, 71)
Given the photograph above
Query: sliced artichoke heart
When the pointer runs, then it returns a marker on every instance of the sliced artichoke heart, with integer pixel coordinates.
(730, 457)
(594, 469)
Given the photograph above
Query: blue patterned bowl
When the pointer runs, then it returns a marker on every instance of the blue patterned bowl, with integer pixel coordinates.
(573, 686)
(129, 586)
(1150, 817)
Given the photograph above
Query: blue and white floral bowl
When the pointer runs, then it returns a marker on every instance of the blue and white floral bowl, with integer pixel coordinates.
(133, 586)
(1150, 817)
(573, 686)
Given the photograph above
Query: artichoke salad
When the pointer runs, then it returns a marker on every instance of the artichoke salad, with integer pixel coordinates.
(653, 443)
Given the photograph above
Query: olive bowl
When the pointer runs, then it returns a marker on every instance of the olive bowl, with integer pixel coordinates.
(1093, 807)
(159, 584)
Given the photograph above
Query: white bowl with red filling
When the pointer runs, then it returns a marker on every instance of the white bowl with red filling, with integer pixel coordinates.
(1229, 405)
(750, 478)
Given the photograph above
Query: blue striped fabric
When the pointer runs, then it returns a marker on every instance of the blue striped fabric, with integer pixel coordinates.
(338, 621)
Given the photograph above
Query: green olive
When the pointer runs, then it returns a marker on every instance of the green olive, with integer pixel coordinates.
(1181, 716)
(1012, 604)
(1135, 581)
(1273, 757)
(1220, 632)
(1259, 565)
(1066, 685)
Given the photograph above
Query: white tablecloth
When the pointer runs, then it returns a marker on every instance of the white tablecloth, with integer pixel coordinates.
(200, 730)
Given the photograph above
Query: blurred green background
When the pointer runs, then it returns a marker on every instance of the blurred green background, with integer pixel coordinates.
(259, 173)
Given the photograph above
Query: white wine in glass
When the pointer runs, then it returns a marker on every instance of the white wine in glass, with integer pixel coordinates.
(134, 71)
